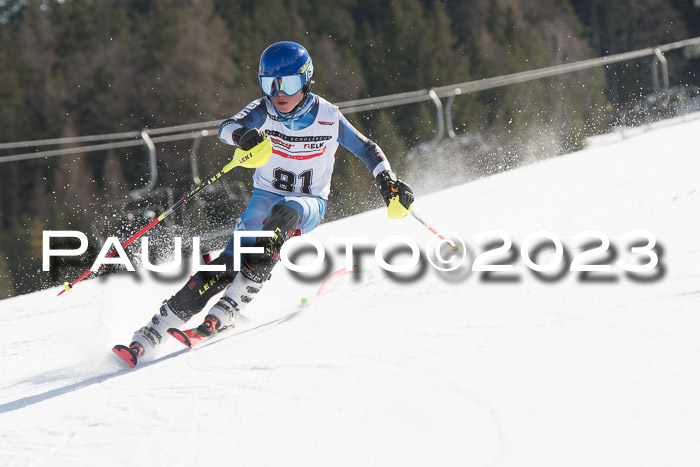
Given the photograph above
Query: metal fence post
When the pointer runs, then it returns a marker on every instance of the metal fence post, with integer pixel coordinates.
(139, 193)
(448, 114)
(660, 59)
(441, 121)
(193, 157)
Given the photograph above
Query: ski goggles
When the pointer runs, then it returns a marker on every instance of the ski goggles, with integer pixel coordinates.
(289, 85)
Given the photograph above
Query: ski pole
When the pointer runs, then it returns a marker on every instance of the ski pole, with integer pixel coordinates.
(418, 218)
(257, 157)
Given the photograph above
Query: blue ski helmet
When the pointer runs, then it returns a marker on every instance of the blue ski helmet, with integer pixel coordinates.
(285, 67)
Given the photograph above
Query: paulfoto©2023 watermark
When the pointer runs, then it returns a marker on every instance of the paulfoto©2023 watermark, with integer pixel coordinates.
(542, 251)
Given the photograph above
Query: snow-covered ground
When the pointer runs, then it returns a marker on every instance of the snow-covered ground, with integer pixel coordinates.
(456, 368)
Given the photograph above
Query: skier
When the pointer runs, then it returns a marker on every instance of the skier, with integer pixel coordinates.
(300, 133)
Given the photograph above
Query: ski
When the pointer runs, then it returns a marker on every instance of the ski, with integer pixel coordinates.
(125, 354)
(192, 337)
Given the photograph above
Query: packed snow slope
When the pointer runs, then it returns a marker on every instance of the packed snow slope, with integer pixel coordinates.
(461, 368)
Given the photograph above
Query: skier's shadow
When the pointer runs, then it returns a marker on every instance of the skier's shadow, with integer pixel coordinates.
(35, 399)
(57, 392)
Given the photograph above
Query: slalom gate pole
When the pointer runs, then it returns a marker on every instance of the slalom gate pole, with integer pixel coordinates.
(425, 224)
(250, 159)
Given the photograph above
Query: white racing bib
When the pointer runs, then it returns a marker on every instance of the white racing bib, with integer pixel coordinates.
(302, 160)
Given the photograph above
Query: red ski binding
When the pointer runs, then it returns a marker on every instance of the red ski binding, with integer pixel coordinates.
(189, 337)
(125, 354)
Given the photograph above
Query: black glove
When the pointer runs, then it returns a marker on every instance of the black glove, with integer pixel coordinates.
(247, 139)
(390, 186)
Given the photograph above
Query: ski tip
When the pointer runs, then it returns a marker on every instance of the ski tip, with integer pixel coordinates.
(125, 354)
(180, 336)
